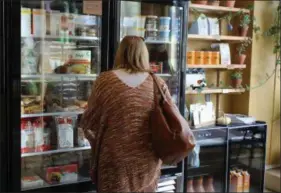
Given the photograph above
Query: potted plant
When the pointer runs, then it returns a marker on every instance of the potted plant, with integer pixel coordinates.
(214, 2)
(236, 79)
(201, 2)
(241, 49)
(244, 24)
(229, 3)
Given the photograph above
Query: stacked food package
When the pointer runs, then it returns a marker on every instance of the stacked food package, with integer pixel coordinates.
(239, 181)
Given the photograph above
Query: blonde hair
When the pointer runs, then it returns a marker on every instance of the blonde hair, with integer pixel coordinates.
(132, 55)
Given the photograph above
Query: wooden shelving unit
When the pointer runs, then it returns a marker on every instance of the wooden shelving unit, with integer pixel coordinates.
(229, 39)
(216, 9)
(199, 42)
(222, 67)
(215, 91)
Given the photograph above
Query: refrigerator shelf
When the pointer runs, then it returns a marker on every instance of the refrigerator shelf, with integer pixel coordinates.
(51, 37)
(46, 185)
(58, 77)
(51, 114)
(56, 151)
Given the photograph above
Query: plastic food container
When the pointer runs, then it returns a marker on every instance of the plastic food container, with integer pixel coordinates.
(151, 22)
(164, 35)
(164, 23)
(152, 34)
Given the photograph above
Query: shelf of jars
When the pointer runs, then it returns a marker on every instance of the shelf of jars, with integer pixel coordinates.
(215, 91)
(217, 66)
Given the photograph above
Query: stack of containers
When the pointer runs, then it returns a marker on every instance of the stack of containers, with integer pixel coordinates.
(164, 28)
(151, 27)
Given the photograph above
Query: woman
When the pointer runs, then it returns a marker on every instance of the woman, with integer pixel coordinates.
(117, 122)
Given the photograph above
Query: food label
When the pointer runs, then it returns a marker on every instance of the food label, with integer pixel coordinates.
(27, 137)
(92, 7)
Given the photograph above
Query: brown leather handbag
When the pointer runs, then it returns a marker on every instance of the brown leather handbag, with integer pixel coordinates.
(172, 138)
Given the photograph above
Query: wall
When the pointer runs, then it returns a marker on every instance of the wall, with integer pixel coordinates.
(264, 102)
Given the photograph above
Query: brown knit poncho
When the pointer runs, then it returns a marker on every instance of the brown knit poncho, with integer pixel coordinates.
(126, 162)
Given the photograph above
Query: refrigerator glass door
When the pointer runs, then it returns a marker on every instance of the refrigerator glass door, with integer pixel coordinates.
(206, 164)
(161, 27)
(247, 157)
(60, 59)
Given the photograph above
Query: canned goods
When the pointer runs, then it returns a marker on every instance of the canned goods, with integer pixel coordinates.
(207, 58)
(199, 56)
(190, 57)
(215, 58)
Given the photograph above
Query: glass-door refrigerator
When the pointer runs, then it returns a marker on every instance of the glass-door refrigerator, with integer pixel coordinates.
(246, 157)
(206, 166)
(162, 25)
(56, 50)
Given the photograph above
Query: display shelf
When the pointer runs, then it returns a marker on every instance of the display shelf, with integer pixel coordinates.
(46, 185)
(157, 42)
(219, 66)
(233, 39)
(57, 77)
(55, 151)
(51, 37)
(164, 75)
(51, 114)
(216, 9)
(214, 91)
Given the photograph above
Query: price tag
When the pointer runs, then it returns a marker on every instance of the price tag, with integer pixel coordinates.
(92, 7)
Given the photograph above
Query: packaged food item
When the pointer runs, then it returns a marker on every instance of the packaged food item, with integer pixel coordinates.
(215, 58)
(151, 22)
(209, 184)
(156, 68)
(81, 139)
(25, 22)
(189, 185)
(236, 182)
(29, 57)
(39, 22)
(82, 104)
(164, 23)
(32, 104)
(151, 34)
(31, 182)
(190, 57)
(207, 58)
(91, 32)
(61, 174)
(199, 55)
(79, 62)
(65, 132)
(42, 135)
(27, 136)
(164, 35)
(53, 23)
(198, 184)
(246, 181)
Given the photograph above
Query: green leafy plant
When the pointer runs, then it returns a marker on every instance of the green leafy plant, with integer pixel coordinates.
(236, 75)
(245, 20)
(241, 49)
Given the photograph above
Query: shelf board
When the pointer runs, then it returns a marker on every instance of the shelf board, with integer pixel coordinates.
(216, 9)
(214, 91)
(52, 114)
(164, 75)
(55, 151)
(220, 66)
(58, 77)
(157, 42)
(234, 39)
(51, 37)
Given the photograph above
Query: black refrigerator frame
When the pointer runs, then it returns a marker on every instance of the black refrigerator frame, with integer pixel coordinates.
(115, 39)
(10, 70)
(10, 73)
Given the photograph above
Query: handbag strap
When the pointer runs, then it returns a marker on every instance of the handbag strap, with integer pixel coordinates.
(157, 86)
